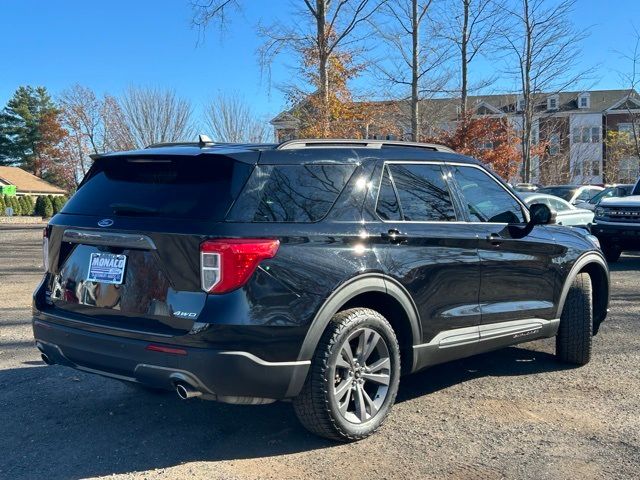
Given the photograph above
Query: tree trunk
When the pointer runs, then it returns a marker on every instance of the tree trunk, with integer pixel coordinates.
(463, 56)
(527, 114)
(415, 66)
(323, 60)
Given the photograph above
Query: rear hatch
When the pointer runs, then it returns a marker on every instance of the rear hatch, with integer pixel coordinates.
(124, 253)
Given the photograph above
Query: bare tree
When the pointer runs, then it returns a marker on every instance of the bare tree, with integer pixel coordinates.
(632, 79)
(544, 46)
(117, 135)
(321, 27)
(94, 125)
(415, 58)
(212, 12)
(149, 115)
(231, 119)
(471, 26)
(325, 28)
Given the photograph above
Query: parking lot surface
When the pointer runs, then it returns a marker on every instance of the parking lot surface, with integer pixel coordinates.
(514, 413)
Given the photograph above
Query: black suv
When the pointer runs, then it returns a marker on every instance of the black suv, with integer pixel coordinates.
(313, 270)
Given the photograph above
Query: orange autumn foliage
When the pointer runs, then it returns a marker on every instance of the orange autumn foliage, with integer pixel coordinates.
(493, 141)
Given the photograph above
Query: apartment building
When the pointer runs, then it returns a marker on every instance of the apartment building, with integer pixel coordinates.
(570, 127)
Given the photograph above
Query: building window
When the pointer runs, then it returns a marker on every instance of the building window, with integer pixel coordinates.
(554, 144)
(629, 170)
(588, 168)
(583, 100)
(552, 103)
(586, 135)
(628, 129)
(521, 104)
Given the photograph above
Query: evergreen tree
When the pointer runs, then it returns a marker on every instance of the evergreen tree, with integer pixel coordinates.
(2, 206)
(58, 203)
(31, 135)
(39, 208)
(24, 206)
(15, 205)
(30, 203)
(48, 208)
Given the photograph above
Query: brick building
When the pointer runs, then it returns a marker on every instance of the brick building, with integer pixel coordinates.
(572, 126)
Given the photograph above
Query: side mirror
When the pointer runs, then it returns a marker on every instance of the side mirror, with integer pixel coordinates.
(541, 214)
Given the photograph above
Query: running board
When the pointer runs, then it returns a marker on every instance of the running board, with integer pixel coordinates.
(464, 342)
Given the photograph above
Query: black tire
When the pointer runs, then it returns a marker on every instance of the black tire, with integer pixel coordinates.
(318, 406)
(575, 335)
(611, 253)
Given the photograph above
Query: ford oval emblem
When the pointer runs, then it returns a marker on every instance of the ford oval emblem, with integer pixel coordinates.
(105, 222)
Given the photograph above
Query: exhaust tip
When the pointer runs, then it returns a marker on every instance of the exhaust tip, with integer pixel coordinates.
(186, 392)
(46, 359)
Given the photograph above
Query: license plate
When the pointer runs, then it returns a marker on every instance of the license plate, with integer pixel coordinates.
(107, 268)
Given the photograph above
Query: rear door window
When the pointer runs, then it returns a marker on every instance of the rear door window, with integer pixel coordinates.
(200, 187)
(291, 193)
(422, 194)
(486, 199)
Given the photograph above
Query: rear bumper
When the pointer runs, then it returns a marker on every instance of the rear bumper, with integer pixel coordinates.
(625, 235)
(231, 376)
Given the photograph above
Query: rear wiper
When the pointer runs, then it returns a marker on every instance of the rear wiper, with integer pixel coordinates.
(131, 209)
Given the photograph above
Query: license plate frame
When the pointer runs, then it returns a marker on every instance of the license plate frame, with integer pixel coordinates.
(107, 268)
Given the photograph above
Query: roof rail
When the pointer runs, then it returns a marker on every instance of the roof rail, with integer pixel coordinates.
(367, 143)
(203, 141)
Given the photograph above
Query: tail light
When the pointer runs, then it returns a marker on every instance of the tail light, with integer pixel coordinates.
(227, 264)
(45, 248)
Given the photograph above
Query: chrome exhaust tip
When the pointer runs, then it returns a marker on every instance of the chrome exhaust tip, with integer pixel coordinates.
(186, 391)
(46, 359)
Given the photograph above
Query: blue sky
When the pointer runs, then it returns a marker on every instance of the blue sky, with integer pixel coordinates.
(110, 45)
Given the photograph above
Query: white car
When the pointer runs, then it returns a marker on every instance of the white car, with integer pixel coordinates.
(566, 214)
(573, 194)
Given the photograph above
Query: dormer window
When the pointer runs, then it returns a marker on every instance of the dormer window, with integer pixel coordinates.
(552, 102)
(584, 100)
(521, 104)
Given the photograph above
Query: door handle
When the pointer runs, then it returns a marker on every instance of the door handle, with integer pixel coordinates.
(394, 236)
(494, 238)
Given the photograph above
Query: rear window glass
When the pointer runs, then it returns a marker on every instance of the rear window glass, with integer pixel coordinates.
(422, 190)
(291, 193)
(180, 187)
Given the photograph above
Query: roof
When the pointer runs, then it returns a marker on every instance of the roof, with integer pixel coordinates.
(447, 108)
(333, 151)
(26, 182)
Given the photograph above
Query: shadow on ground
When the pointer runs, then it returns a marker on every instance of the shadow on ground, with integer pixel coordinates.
(60, 423)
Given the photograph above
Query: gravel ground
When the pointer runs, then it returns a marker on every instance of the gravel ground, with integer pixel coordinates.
(514, 413)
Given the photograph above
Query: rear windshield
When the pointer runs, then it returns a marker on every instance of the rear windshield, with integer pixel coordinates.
(179, 187)
(562, 192)
(291, 193)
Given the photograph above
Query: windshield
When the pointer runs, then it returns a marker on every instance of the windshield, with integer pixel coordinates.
(176, 187)
(636, 191)
(606, 193)
(563, 192)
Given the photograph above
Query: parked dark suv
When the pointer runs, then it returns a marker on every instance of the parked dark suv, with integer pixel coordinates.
(313, 270)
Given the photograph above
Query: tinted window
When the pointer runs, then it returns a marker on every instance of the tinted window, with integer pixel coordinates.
(486, 199)
(388, 207)
(291, 193)
(423, 192)
(563, 192)
(180, 187)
